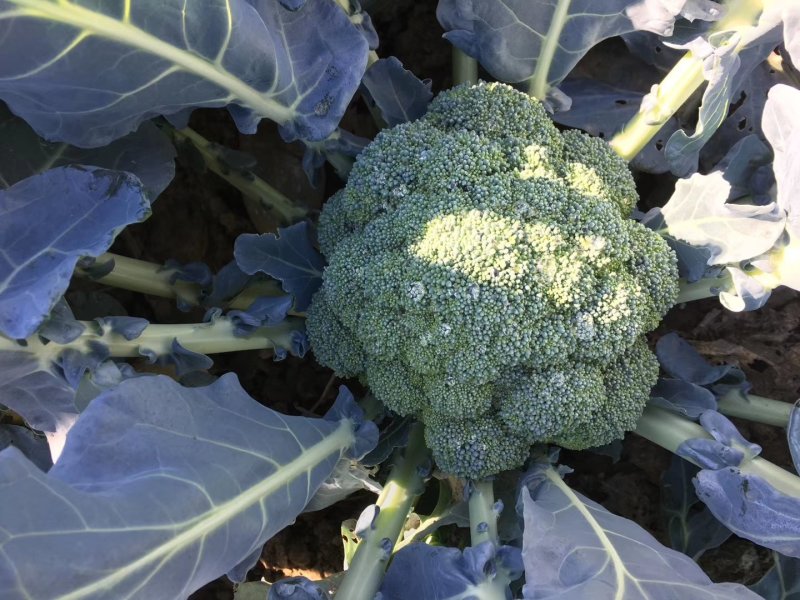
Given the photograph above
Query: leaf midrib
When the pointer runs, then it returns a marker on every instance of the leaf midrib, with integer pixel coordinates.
(103, 26)
(340, 438)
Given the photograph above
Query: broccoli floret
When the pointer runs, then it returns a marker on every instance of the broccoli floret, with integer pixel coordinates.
(485, 277)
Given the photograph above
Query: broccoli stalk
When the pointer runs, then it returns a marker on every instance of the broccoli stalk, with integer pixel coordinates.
(685, 79)
(465, 68)
(755, 408)
(669, 431)
(149, 278)
(206, 338)
(405, 483)
(483, 512)
(265, 205)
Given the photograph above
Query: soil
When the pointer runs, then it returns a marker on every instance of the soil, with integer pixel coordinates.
(199, 217)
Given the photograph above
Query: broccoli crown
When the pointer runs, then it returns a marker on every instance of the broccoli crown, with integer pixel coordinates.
(484, 275)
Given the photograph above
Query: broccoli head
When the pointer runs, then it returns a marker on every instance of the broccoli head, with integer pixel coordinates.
(484, 276)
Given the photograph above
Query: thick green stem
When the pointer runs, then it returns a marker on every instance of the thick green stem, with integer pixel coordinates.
(538, 86)
(465, 68)
(206, 338)
(141, 276)
(679, 84)
(482, 515)
(703, 288)
(669, 431)
(265, 205)
(149, 278)
(405, 483)
(682, 81)
(755, 408)
(483, 528)
(442, 510)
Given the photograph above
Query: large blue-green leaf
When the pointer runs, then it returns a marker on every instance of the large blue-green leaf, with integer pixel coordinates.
(159, 490)
(87, 72)
(49, 221)
(543, 40)
(574, 549)
(147, 153)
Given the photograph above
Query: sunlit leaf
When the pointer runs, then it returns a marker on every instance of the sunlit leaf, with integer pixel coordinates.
(698, 213)
(159, 490)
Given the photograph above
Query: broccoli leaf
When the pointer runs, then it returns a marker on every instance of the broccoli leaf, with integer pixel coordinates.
(791, 29)
(348, 477)
(225, 284)
(184, 360)
(691, 531)
(49, 221)
(339, 149)
(726, 72)
(198, 480)
(698, 213)
(720, 63)
(793, 436)
(782, 581)
(752, 508)
(399, 95)
(61, 326)
(744, 117)
(516, 40)
(682, 397)
(108, 66)
(33, 447)
(727, 448)
(745, 294)
(681, 360)
(574, 548)
(603, 110)
(746, 166)
(289, 257)
(147, 153)
(32, 387)
(263, 311)
(767, 513)
(295, 588)
(440, 573)
(781, 125)
(692, 260)
(45, 384)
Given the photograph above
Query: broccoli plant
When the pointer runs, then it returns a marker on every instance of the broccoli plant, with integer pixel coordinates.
(494, 274)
